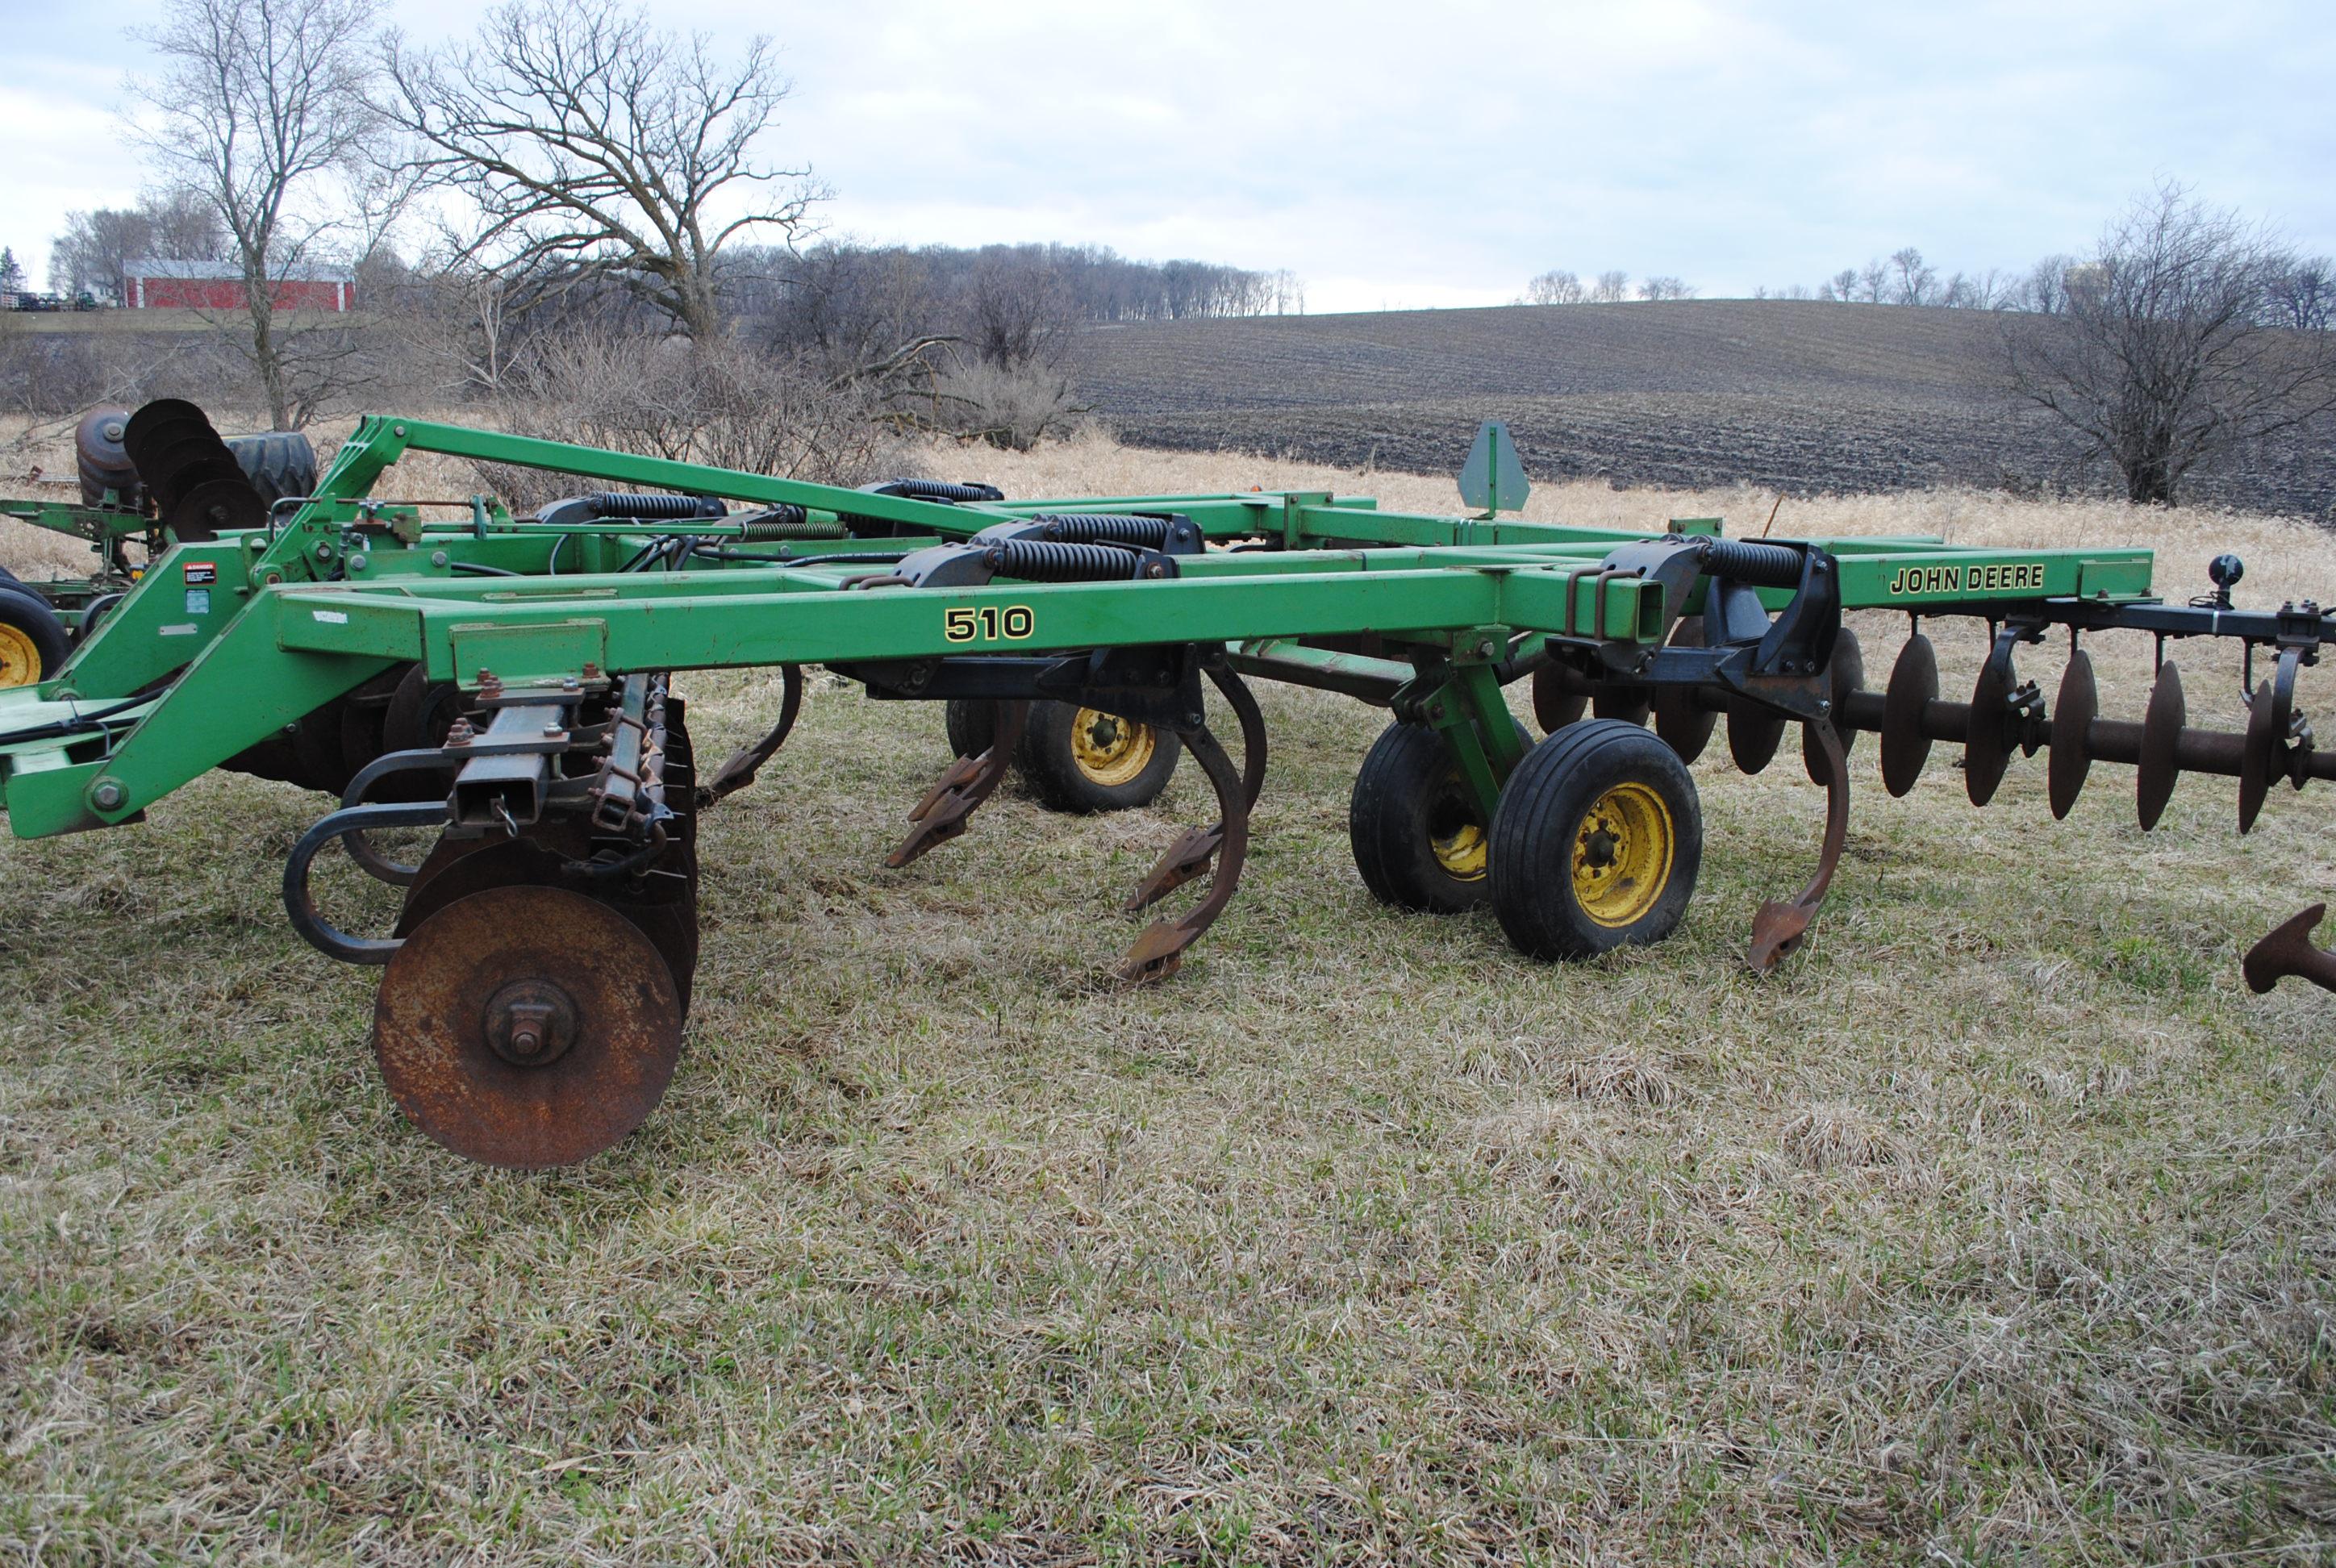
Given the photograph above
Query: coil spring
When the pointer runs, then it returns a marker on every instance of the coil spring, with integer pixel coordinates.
(1104, 527)
(1046, 561)
(787, 523)
(617, 503)
(1747, 561)
(940, 489)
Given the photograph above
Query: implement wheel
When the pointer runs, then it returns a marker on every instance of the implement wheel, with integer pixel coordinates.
(1073, 758)
(1596, 845)
(32, 641)
(1420, 840)
(971, 722)
(1081, 759)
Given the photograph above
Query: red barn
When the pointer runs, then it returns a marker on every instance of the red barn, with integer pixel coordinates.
(218, 286)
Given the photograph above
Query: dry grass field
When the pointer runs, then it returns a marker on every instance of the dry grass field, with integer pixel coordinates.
(1997, 1228)
(1809, 397)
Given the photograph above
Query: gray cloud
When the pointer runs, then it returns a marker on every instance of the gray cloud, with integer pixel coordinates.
(1388, 154)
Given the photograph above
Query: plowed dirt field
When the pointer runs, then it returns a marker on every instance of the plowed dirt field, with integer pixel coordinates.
(1795, 396)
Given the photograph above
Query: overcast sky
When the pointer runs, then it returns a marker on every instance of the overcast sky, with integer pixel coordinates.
(1397, 155)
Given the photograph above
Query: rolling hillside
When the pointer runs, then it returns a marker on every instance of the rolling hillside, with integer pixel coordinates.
(1798, 396)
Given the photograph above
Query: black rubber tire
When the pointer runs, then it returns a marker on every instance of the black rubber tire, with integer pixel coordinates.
(970, 721)
(1049, 765)
(279, 463)
(28, 615)
(1407, 794)
(1543, 810)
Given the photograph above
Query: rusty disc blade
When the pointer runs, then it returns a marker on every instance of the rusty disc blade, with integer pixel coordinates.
(2161, 734)
(2073, 712)
(458, 868)
(1987, 738)
(1913, 685)
(2259, 757)
(527, 1027)
(1753, 733)
(1559, 697)
(1846, 673)
(1630, 704)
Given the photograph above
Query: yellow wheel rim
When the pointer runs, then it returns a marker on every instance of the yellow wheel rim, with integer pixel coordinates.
(20, 661)
(1623, 855)
(1110, 750)
(1461, 852)
(1454, 835)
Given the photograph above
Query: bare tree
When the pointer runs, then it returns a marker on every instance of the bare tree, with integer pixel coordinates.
(579, 136)
(1018, 316)
(1611, 287)
(2302, 295)
(261, 108)
(2160, 359)
(2045, 290)
(1666, 287)
(1554, 289)
(1911, 281)
(92, 255)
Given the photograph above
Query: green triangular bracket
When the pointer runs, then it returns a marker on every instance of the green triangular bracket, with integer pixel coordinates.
(1493, 481)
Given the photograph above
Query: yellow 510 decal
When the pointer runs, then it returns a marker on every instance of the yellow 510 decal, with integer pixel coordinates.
(990, 623)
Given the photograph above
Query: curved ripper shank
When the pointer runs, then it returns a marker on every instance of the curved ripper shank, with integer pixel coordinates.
(942, 814)
(1188, 858)
(1158, 951)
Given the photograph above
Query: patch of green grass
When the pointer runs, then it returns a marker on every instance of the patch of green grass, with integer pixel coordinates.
(1996, 1227)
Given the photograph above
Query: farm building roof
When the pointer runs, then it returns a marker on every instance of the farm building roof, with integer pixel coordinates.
(158, 267)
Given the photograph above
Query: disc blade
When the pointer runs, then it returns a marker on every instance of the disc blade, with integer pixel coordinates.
(2161, 734)
(458, 868)
(527, 1027)
(1753, 733)
(1987, 741)
(1846, 673)
(1630, 704)
(1681, 719)
(1560, 698)
(2073, 712)
(1913, 684)
(2258, 757)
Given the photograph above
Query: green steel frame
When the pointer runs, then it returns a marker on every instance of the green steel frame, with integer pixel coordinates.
(222, 643)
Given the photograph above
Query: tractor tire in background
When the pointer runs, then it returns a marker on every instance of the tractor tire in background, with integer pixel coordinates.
(1073, 759)
(970, 721)
(280, 464)
(1419, 838)
(1596, 844)
(34, 643)
(1084, 760)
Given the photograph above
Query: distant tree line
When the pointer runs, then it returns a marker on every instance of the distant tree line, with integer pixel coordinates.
(1562, 288)
(2288, 289)
(568, 190)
